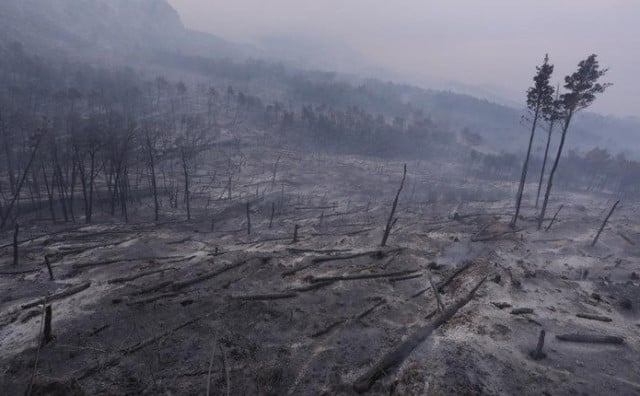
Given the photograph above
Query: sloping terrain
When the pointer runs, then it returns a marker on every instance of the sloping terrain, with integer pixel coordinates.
(177, 307)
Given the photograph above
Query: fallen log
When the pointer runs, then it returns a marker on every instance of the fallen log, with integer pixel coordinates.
(494, 236)
(57, 296)
(359, 316)
(151, 340)
(400, 353)
(358, 277)
(454, 274)
(313, 286)
(153, 298)
(207, 276)
(591, 338)
(136, 276)
(521, 311)
(594, 317)
(301, 250)
(379, 253)
(153, 288)
(626, 238)
(407, 277)
(78, 267)
(20, 272)
(257, 297)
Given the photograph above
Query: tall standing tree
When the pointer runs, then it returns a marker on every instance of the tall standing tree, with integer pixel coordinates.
(539, 100)
(582, 87)
(551, 115)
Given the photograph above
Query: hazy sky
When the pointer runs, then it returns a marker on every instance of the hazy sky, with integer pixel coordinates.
(495, 42)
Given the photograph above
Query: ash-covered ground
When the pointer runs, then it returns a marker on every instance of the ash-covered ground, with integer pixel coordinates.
(190, 307)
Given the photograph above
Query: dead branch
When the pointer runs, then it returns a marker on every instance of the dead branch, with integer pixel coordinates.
(313, 286)
(57, 296)
(494, 236)
(554, 218)
(138, 275)
(521, 311)
(404, 349)
(273, 296)
(594, 317)
(441, 285)
(374, 253)
(299, 250)
(591, 338)
(604, 223)
(626, 238)
(151, 340)
(48, 264)
(359, 316)
(153, 288)
(27, 271)
(439, 303)
(317, 279)
(15, 244)
(406, 277)
(213, 352)
(207, 276)
(454, 274)
(227, 376)
(316, 260)
(152, 298)
(78, 267)
(391, 221)
(537, 354)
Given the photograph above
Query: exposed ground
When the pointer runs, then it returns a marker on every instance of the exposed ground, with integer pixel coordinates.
(174, 305)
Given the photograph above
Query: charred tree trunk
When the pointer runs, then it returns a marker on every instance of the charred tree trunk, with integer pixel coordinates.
(9, 209)
(15, 244)
(525, 167)
(554, 168)
(604, 223)
(391, 221)
(544, 162)
(248, 219)
(49, 194)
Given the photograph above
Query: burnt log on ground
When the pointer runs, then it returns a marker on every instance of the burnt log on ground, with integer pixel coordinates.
(591, 338)
(521, 311)
(151, 340)
(57, 296)
(316, 279)
(138, 275)
(378, 254)
(359, 316)
(272, 296)
(594, 317)
(404, 349)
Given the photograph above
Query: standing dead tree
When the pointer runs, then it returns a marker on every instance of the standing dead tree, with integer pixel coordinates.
(604, 223)
(275, 170)
(15, 244)
(4, 217)
(248, 219)
(391, 220)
